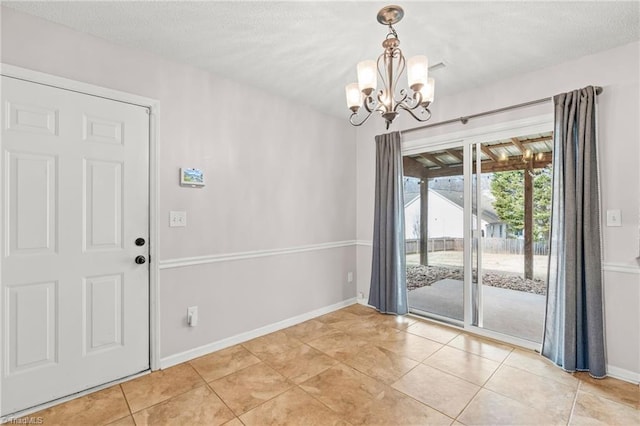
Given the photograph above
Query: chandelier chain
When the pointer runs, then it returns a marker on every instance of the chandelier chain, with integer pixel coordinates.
(392, 32)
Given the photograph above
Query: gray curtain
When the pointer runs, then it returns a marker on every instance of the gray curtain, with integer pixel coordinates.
(388, 292)
(574, 328)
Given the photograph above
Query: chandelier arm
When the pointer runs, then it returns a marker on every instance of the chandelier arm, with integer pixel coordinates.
(355, 115)
(400, 68)
(381, 103)
(381, 106)
(410, 111)
(402, 100)
(412, 102)
(370, 104)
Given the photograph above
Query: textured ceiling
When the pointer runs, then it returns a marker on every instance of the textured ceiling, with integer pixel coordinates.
(307, 51)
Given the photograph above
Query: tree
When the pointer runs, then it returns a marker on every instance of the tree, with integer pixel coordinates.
(542, 203)
(508, 190)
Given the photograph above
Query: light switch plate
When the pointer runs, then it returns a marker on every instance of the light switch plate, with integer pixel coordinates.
(614, 218)
(177, 218)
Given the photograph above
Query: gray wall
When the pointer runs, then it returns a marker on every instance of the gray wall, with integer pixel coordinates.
(287, 180)
(279, 175)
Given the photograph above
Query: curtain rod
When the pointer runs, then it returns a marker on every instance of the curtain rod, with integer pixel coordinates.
(466, 118)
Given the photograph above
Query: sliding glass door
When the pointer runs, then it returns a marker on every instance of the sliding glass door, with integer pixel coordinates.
(511, 202)
(434, 229)
(477, 223)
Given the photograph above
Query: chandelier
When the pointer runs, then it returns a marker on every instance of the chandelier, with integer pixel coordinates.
(390, 66)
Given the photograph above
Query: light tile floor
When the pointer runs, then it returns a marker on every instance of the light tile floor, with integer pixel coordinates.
(356, 366)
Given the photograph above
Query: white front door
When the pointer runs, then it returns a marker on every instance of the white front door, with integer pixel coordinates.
(75, 199)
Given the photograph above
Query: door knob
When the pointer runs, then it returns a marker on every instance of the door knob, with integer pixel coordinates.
(140, 259)
(140, 241)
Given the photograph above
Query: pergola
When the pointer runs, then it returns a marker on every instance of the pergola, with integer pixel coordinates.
(518, 153)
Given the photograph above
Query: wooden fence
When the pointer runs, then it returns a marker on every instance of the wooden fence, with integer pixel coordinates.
(489, 245)
(513, 246)
(435, 244)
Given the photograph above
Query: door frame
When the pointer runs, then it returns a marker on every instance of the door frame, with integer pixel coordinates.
(466, 138)
(153, 106)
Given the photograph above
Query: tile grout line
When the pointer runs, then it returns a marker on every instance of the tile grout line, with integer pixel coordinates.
(420, 402)
(320, 401)
(173, 396)
(500, 363)
(575, 400)
(468, 403)
(550, 364)
(390, 386)
(208, 384)
(213, 390)
(266, 400)
(260, 361)
(607, 397)
(224, 402)
(339, 362)
(485, 382)
(124, 395)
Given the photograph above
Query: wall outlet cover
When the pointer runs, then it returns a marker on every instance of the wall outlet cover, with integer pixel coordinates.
(192, 316)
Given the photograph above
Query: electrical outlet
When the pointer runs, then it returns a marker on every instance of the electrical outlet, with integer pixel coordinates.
(349, 277)
(192, 316)
(177, 218)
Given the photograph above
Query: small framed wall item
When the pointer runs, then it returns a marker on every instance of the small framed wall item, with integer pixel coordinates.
(191, 177)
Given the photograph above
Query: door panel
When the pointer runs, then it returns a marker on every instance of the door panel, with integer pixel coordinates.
(102, 205)
(31, 204)
(31, 318)
(75, 195)
(32, 119)
(101, 130)
(103, 312)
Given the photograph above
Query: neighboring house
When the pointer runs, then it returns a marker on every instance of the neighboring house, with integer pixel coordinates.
(445, 216)
(496, 230)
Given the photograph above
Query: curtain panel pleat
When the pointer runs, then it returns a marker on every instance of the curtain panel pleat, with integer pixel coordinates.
(574, 325)
(388, 291)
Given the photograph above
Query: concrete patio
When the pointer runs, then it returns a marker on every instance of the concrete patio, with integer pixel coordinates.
(511, 312)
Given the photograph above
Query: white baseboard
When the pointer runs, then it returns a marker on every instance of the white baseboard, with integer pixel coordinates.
(622, 374)
(243, 337)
